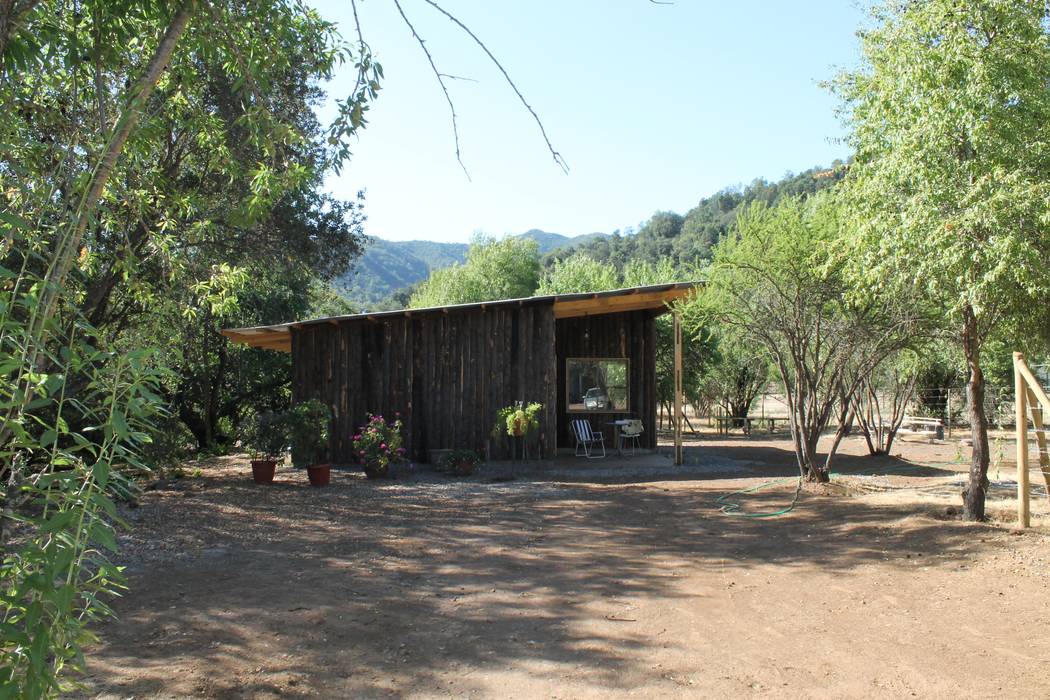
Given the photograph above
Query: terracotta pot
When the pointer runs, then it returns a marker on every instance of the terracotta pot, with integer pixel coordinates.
(376, 471)
(519, 429)
(263, 470)
(320, 474)
(463, 468)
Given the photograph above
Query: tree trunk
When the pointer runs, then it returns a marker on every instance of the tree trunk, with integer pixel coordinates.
(974, 495)
(845, 422)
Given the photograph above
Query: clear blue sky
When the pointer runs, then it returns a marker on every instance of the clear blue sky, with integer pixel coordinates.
(653, 107)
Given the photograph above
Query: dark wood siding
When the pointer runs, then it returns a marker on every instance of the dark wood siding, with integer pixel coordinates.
(447, 375)
(630, 335)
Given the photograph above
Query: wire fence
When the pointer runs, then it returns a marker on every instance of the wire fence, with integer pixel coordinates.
(949, 404)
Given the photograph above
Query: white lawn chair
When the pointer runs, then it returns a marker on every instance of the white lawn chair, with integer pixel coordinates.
(587, 439)
(631, 432)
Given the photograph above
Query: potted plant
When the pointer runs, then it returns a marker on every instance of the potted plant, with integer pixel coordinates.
(268, 440)
(460, 462)
(378, 444)
(308, 427)
(518, 420)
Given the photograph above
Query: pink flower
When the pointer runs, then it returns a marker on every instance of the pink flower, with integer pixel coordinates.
(382, 446)
(362, 452)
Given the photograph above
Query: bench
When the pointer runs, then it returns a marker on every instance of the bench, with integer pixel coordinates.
(916, 425)
(726, 423)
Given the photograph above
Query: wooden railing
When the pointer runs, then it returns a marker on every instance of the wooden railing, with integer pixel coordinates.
(1031, 402)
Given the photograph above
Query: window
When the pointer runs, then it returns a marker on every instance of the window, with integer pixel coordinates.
(596, 385)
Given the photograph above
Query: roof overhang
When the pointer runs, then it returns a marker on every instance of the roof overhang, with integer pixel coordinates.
(655, 297)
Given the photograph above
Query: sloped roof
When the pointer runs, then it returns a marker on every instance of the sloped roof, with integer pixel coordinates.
(656, 296)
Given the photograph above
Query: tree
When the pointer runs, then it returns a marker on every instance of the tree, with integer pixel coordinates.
(881, 400)
(950, 120)
(153, 153)
(774, 284)
(87, 98)
(578, 273)
(734, 375)
(506, 268)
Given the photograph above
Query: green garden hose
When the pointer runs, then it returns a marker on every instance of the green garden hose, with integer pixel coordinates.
(728, 507)
(734, 508)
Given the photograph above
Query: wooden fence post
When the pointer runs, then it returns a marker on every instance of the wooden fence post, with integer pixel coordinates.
(1040, 437)
(1021, 409)
(678, 457)
(949, 414)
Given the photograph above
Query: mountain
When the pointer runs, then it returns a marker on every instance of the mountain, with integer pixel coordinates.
(387, 267)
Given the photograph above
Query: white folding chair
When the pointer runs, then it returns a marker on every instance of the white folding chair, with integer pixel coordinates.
(587, 439)
(631, 431)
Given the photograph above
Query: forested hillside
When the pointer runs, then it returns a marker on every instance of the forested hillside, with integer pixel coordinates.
(387, 271)
(389, 266)
(686, 238)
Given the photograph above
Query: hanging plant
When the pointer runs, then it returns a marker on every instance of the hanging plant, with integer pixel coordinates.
(517, 420)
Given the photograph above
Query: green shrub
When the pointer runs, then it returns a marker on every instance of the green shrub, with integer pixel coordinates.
(459, 462)
(268, 435)
(308, 430)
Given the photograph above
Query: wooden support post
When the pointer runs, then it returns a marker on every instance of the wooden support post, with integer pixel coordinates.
(1021, 406)
(678, 457)
(1040, 438)
(949, 416)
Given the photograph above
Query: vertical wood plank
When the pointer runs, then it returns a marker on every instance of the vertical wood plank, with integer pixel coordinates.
(1040, 438)
(1021, 406)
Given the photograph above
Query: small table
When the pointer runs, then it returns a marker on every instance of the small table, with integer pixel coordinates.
(617, 424)
(772, 423)
(726, 423)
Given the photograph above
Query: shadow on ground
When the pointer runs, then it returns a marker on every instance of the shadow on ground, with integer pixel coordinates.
(366, 588)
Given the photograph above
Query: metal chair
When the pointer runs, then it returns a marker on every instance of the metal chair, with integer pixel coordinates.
(631, 431)
(587, 439)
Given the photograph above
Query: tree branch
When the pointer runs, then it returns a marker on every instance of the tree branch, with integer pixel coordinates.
(452, 18)
(441, 81)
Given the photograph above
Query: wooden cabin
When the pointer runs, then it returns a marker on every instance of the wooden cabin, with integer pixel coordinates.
(448, 370)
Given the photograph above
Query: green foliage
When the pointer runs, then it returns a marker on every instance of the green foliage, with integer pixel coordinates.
(388, 268)
(309, 423)
(268, 435)
(734, 374)
(775, 286)
(153, 153)
(67, 454)
(950, 119)
(517, 420)
(459, 462)
(506, 268)
(378, 443)
(688, 240)
(578, 273)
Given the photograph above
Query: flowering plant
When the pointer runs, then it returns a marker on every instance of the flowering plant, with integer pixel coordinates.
(378, 444)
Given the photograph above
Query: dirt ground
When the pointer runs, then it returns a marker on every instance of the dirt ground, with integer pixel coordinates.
(564, 583)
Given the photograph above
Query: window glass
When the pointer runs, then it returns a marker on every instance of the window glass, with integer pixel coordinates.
(596, 385)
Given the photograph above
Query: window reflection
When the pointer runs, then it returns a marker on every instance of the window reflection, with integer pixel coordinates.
(596, 384)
